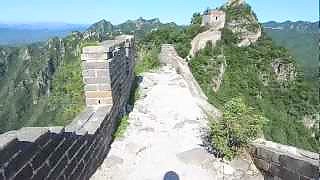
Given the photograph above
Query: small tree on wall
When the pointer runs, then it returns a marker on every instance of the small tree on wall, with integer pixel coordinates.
(239, 125)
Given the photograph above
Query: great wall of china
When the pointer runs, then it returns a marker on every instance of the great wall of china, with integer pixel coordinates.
(77, 150)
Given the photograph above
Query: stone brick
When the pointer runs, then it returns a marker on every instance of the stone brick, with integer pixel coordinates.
(97, 80)
(286, 174)
(104, 87)
(77, 171)
(102, 72)
(297, 165)
(91, 87)
(98, 101)
(98, 94)
(93, 49)
(39, 160)
(43, 140)
(21, 159)
(9, 152)
(262, 164)
(95, 65)
(42, 172)
(89, 73)
(25, 173)
(62, 164)
(75, 148)
(268, 155)
(93, 56)
(60, 151)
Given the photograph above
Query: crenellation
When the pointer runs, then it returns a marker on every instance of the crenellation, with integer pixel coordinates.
(75, 151)
(283, 162)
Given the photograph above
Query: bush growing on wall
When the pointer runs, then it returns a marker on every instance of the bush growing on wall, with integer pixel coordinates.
(239, 125)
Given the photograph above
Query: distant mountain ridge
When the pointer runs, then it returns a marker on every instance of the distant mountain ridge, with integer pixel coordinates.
(301, 38)
(19, 34)
(139, 27)
(43, 25)
(300, 26)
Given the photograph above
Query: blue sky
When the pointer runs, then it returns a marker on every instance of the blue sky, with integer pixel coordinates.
(118, 11)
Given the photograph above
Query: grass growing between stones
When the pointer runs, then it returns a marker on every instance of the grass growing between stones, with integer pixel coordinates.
(147, 60)
(122, 127)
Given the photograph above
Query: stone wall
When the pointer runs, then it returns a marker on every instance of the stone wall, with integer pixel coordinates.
(281, 162)
(169, 55)
(75, 151)
(214, 19)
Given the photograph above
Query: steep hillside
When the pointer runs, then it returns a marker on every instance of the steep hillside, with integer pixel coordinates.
(301, 38)
(41, 83)
(264, 75)
(246, 64)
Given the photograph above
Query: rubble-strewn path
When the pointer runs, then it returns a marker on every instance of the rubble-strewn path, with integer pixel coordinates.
(163, 135)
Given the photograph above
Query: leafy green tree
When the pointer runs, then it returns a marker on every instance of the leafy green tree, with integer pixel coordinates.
(196, 18)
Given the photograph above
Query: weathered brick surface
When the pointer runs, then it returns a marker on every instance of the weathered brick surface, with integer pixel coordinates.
(75, 151)
(282, 162)
(98, 94)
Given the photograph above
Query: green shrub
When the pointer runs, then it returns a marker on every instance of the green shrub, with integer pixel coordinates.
(240, 125)
(148, 59)
(122, 127)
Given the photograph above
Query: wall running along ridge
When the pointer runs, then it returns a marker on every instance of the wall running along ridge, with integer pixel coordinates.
(75, 151)
(281, 162)
(275, 161)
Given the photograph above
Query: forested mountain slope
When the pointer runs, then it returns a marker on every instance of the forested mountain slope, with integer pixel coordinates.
(301, 38)
(41, 83)
(264, 75)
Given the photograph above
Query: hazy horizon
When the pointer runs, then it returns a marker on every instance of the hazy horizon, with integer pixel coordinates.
(82, 12)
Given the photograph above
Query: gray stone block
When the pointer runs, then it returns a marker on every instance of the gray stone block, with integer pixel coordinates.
(102, 72)
(93, 50)
(80, 120)
(95, 65)
(24, 173)
(31, 134)
(58, 168)
(97, 80)
(104, 87)
(91, 87)
(268, 155)
(89, 73)
(7, 138)
(287, 174)
(94, 56)
(302, 167)
(262, 164)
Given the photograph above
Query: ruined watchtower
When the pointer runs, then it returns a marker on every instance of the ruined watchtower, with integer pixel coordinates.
(214, 19)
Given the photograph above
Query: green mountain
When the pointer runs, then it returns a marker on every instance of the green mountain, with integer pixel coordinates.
(301, 38)
(263, 74)
(104, 29)
(41, 83)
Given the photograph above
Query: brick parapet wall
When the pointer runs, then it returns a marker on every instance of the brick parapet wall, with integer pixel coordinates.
(75, 151)
(281, 162)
